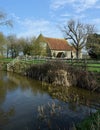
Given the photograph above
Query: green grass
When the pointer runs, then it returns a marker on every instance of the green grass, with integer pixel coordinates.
(90, 66)
(5, 59)
(90, 123)
(92, 69)
(35, 61)
(95, 67)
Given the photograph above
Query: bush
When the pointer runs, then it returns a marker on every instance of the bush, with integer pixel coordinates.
(61, 73)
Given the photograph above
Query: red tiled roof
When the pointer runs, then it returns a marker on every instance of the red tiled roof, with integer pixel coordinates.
(58, 44)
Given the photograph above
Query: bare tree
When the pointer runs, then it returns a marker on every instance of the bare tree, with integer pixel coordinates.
(4, 20)
(77, 32)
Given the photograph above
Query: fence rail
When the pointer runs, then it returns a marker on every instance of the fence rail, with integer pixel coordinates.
(84, 63)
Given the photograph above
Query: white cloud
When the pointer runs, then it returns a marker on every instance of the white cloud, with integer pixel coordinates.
(65, 15)
(32, 23)
(84, 4)
(14, 17)
(78, 5)
(33, 27)
(79, 17)
(55, 4)
(96, 21)
(65, 18)
(97, 7)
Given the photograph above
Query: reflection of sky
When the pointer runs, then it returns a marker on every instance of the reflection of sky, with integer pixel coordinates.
(5, 79)
(25, 104)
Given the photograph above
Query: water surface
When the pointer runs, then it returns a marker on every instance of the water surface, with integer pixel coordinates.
(26, 105)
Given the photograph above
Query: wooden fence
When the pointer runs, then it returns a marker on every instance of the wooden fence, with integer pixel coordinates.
(84, 63)
(89, 64)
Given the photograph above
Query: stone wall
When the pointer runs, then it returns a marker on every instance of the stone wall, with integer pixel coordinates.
(3, 66)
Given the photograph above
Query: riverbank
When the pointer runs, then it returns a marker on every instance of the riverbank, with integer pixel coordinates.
(58, 74)
(61, 74)
(29, 97)
(61, 93)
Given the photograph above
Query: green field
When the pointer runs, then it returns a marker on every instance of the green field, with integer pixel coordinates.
(6, 59)
(35, 61)
(95, 67)
(90, 66)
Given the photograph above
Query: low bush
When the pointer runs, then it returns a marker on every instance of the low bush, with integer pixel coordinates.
(61, 73)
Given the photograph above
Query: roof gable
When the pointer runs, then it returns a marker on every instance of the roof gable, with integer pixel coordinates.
(58, 44)
(55, 43)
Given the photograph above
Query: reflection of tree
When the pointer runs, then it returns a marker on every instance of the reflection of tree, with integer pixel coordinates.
(4, 116)
(4, 87)
(75, 96)
(72, 94)
(11, 82)
(25, 83)
(3, 92)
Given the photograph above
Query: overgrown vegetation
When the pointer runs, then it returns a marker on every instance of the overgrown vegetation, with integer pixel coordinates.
(60, 73)
(52, 116)
(91, 123)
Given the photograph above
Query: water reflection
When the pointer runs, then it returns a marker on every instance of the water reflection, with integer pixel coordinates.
(76, 95)
(23, 100)
(5, 115)
(25, 83)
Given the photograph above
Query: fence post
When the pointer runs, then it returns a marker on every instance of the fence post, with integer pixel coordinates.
(85, 64)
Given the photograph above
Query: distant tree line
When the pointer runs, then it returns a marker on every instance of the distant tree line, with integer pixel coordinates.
(11, 46)
(80, 36)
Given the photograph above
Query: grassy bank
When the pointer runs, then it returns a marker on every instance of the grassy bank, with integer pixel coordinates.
(89, 65)
(62, 74)
(57, 72)
(52, 73)
(90, 123)
(92, 67)
(6, 60)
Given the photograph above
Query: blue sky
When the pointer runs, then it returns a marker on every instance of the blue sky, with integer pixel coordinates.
(32, 17)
